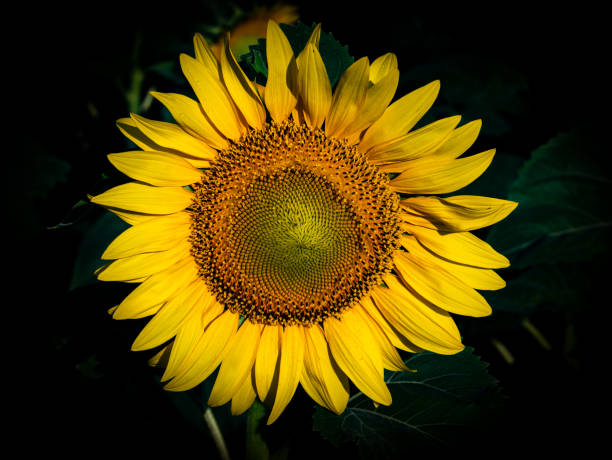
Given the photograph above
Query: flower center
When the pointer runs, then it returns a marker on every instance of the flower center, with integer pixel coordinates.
(290, 227)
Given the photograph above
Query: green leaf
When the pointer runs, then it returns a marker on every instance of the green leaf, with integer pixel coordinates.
(95, 240)
(440, 405)
(563, 215)
(335, 56)
(255, 63)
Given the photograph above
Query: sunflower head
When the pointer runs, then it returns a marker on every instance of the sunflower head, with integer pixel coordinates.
(289, 233)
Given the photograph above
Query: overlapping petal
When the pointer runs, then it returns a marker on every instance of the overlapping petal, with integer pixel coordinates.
(431, 175)
(281, 87)
(401, 116)
(459, 213)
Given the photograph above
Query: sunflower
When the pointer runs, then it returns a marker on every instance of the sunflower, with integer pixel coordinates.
(288, 235)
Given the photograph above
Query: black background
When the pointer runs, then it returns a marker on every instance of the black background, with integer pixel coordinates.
(76, 386)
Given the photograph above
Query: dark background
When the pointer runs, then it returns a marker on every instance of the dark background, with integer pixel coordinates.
(79, 390)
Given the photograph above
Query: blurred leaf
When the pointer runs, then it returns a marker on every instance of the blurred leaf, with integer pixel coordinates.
(436, 407)
(89, 368)
(473, 87)
(76, 213)
(169, 70)
(187, 405)
(256, 447)
(95, 240)
(551, 286)
(563, 212)
(335, 56)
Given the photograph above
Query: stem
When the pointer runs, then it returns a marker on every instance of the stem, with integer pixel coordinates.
(536, 334)
(215, 432)
(503, 350)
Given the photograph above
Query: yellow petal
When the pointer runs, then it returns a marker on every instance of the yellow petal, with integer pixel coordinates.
(321, 378)
(281, 87)
(461, 213)
(156, 168)
(160, 358)
(424, 325)
(188, 113)
(477, 278)
(157, 234)
(143, 265)
(173, 137)
(132, 218)
(190, 332)
(417, 144)
(460, 140)
(207, 354)
(266, 360)
(396, 339)
(432, 175)
(291, 361)
(241, 89)
(439, 287)
(378, 97)
(165, 324)
(130, 129)
(314, 86)
(138, 197)
(348, 98)
(355, 358)
(390, 357)
(237, 364)
(401, 116)
(149, 296)
(315, 36)
(213, 96)
(382, 66)
(204, 54)
(244, 397)
(461, 247)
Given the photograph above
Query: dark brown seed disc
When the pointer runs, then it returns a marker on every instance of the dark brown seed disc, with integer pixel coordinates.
(290, 226)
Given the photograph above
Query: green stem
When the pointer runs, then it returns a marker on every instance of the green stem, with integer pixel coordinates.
(215, 432)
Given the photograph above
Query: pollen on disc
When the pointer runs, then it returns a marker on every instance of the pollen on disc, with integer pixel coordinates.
(291, 227)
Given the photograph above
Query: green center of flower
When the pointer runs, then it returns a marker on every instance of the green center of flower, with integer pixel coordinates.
(294, 234)
(290, 227)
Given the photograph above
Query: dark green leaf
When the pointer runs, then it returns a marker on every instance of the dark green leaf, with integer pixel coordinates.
(563, 215)
(473, 87)
(168, 70)
(335, 56)
(95, 240)
(255, 62)
(554, 286)
(438, 406)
